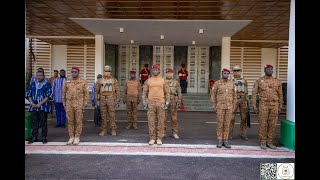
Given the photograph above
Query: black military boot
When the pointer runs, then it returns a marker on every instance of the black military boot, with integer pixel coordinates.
(226, 144)
(219, 145)
(32, 140)
(44, 140)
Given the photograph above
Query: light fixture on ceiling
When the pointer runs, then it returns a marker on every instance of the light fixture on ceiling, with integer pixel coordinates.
(121, 30)
(162, 37)
(200, 31)
(193, 42)
(131, 41)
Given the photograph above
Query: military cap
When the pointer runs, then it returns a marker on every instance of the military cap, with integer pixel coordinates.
(169, 70)
(156, 66)
(236, 68)
(107, 68)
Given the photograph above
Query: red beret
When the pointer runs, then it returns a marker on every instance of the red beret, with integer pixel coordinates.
(55, 71)
(169, 70)
(225, 69)
(132, 72)
(268, 66)
(156, 66)
(75, 67)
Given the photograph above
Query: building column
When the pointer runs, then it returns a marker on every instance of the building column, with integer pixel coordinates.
(287, 130)
(225, 53)
(99, 55)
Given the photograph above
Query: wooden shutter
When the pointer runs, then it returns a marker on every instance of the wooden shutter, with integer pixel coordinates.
(82, 56)
(250, 60)
(43, 55)
(282, 64)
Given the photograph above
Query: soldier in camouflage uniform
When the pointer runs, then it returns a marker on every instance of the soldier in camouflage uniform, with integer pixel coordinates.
(223, 99)
(175, 99)
(242, 101)
(132, 97)
(107, 90)
(270, 104)
(75, 94)
(156, 98)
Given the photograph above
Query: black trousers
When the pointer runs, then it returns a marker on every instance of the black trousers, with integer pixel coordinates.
(97, 117)
(39, 119)
(183, 85)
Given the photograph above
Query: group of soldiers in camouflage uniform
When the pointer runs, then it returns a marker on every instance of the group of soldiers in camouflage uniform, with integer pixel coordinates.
(229, 94)
(162, 97)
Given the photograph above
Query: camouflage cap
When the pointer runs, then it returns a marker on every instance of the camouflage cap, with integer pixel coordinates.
(107, 68)
(236, 68)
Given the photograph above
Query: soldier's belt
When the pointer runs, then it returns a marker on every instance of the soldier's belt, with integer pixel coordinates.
(106, 96)
(241, 97)
(106, 93)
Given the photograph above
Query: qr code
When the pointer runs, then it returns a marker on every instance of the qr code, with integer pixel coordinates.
(268, 170)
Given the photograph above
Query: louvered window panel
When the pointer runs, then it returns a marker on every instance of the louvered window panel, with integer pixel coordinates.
(282, 64)
(82, 56)
(250, 60)
(43, 57)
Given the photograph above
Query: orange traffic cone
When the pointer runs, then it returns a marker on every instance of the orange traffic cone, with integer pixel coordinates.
(181, 106)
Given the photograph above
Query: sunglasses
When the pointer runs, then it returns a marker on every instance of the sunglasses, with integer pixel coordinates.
(107, 71)
(74, 71)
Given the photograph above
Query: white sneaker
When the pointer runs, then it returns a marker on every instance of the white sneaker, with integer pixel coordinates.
(70, 141)
(175, 136)
(159, 142)
(151, 142)
(76, 141)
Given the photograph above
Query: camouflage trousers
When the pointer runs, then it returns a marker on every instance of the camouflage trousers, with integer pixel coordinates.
(171, 113)
(155, 110)
(268, 117)
(132, 113)
(107, 106)
(242, 105)
(223, 123)
(74, 118)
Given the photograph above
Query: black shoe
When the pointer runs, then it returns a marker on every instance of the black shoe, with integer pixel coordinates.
(44, 140)
(56, 126)
(32, 140)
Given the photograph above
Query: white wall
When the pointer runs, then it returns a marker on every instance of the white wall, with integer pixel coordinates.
(269, 56)
(59, 57)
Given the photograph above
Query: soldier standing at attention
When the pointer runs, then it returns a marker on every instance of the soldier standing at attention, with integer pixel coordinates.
(223, 99)
(132, 97)
(183, 78)
(107, 88)
(75, 94)
(156, 99)
(242, 101)
(175, 99)
(270, 104)
(144, 74)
